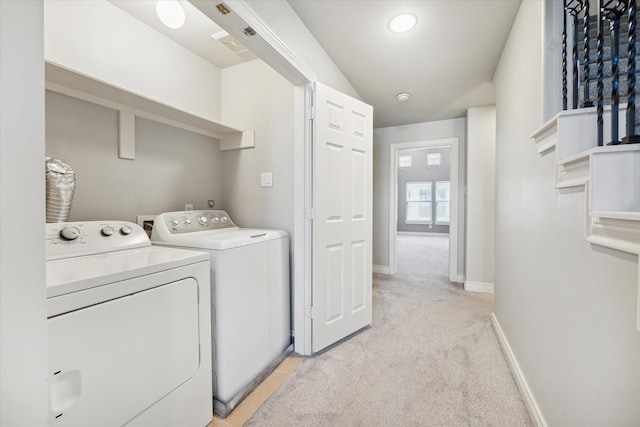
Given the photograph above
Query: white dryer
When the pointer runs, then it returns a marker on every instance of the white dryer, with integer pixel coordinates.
(128, 329)
(250, 303)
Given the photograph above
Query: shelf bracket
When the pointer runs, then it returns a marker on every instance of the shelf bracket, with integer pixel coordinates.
(126, 135)
(236, 141)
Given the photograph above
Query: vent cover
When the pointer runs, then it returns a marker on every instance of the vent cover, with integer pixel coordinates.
(230, 42)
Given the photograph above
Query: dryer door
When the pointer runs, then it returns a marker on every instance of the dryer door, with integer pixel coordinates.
(110, 362)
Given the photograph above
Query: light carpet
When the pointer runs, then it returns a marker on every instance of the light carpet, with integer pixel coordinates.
(431, 358)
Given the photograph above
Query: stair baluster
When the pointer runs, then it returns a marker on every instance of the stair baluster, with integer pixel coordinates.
(613, 11)
(600, 84)
(631, 137)
(587, 99)
(564, 55)
(574, 7)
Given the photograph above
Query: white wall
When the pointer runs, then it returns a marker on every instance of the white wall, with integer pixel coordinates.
(256, 97)
(23, 334)
(480, 225)
(567, 308)
(382, 140)
(172, 166)
(98, 39)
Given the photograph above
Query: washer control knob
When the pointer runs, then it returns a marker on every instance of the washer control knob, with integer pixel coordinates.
(187, 222)
(215, 220)
(174, 222)
(126, 230)
(224, 220)
(70, 233)
(107, 231)
(203, 220)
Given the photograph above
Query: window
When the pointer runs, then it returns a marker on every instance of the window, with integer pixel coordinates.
(443, 196)
(404, 161)
(418, 199)
(434, 159)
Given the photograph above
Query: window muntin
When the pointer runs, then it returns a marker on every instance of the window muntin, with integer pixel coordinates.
(418, 203)
(434, 159)
(443, 202)
(404, 161)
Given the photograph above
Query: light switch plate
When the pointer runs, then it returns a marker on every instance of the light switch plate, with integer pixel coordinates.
(266, 179)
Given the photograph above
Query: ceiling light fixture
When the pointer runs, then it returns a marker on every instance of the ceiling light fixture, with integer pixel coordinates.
(402, 23)
(170, 13)
(403, 97)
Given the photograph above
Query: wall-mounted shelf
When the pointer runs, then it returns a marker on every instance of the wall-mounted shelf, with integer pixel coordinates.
(67, 82)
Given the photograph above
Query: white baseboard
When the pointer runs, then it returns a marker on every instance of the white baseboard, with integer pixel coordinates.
(421, 233)
(381, 269)
(457, 279)
(521, 381)
(486, 288)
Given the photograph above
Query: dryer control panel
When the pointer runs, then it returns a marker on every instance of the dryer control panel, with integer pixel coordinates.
(72, 239)
(190, 221)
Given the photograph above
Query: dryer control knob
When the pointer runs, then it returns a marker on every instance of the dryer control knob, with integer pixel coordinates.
(187, 222)
(107, 231)
(203, 220)
(174, 222)
(215, 220)
(70, 233)
(126, 230)
(224, 220)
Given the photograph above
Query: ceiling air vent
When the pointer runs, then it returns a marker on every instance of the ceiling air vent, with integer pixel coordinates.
(230, 42)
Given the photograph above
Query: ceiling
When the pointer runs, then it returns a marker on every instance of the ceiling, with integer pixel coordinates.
(195, 35)
(446, 62)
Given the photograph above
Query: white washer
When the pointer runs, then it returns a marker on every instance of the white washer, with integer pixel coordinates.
(128, 328)
(250, 296)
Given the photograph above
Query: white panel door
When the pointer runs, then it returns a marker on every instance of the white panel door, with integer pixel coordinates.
(342, 192)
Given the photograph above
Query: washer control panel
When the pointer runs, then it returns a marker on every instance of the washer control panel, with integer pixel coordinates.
(190, 221)
(71, 239)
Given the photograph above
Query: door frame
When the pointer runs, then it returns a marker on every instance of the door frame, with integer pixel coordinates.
(454, 145)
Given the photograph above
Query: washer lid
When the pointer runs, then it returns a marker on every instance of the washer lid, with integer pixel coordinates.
(219, 239)
(79, 273)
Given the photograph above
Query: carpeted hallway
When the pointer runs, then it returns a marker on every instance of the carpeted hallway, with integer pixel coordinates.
(431, 358)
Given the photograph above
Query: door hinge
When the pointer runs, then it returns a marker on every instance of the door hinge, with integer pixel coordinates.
(308, 213)
(310, 113)
(310, 312)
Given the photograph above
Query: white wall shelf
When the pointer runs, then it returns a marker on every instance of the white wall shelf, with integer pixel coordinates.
(70, 83)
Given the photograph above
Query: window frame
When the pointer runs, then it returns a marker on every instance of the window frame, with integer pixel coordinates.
(432, 155)
(404, 156)
(428, 201)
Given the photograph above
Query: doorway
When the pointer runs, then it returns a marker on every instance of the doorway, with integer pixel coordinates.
(421, 219)
(423, 206)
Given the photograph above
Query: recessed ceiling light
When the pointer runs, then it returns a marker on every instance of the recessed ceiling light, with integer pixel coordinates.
(170, 13)
(403, 97)
(403, 22)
